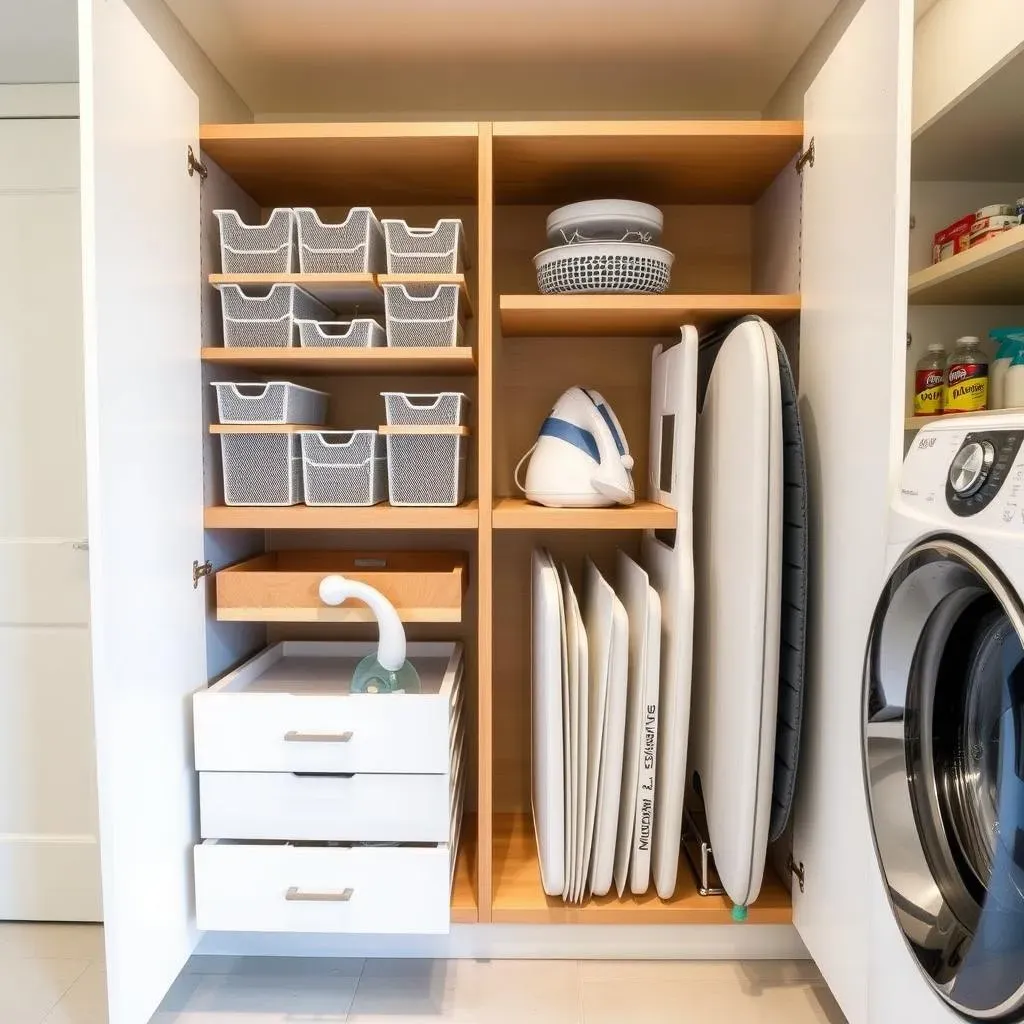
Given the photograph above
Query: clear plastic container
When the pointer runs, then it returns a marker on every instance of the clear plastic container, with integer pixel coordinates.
(966, 377)
(929, 381)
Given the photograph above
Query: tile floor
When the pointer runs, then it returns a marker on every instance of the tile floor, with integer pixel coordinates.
(54, 974)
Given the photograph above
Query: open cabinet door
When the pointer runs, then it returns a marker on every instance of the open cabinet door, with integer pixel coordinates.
(856, 212)
(144, 455)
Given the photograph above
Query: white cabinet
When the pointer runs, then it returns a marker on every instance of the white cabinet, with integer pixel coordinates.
(162, 884)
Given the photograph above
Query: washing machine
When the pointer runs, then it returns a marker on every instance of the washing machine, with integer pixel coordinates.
(943, 730)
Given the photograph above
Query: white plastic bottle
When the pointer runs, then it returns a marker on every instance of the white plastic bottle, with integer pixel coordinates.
(1008, 340)
(1013, 394)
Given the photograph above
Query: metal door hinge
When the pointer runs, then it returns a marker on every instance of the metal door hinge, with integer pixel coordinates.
(199, 571)
(805, 158)
(796, 869)
(913, 222)
(195, 165)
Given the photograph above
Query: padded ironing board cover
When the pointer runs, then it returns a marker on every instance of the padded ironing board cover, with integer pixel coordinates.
(793, 627)
(738, 556)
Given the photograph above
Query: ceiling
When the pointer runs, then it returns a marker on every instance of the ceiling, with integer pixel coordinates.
(492, 56)
(38, 41)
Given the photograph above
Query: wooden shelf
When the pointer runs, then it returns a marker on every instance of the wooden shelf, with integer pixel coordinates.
(464, 903)
(519, 897)
(655, 161)
(519, 514)
(991, 274)
(374, 517)
(915, 422)
(348, 164)
(451, 361)
(335, 290)
(263, 428)
(632, 315)
(431, 279)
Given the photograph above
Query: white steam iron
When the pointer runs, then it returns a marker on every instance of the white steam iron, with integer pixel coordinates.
(581, 458)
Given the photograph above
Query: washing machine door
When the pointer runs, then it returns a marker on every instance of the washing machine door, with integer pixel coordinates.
(944, 770)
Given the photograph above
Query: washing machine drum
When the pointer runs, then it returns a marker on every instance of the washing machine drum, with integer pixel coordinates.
(944, 767)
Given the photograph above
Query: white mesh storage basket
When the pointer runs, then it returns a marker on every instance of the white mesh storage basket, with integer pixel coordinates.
(267, 321)
(422, 315)
(442, 409)
(261, 469)
(362, 333)
(355, 246)
(344, 467)
(604, 267)
(426, 469)
(257, 248)
(275, 402)
(436, 250)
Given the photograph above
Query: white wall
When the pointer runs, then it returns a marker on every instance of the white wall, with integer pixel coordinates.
(38, 41)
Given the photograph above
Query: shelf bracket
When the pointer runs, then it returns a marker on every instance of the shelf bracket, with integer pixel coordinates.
(795, 869)
(806, 158)
(195, 165)
(200, 570)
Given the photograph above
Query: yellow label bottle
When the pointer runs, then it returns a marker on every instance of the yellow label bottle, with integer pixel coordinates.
(966, 387)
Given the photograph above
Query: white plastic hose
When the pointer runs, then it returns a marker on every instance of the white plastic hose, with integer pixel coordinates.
(391, 647)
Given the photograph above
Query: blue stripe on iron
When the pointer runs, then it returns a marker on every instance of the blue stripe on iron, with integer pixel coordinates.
(603, 410)
(571, 434)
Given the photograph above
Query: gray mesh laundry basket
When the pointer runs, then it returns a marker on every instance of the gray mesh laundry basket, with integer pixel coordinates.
(257, 248)
(422, 315)
(361, 333)
(356, 246)
(267, 320)
(261, 469)
(427, 469)
(275, 402)
(344, 467)
(441, 409)
(437, 250)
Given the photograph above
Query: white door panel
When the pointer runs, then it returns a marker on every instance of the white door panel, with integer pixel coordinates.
(49, 848)
(852, 343)
(44, 581)
(144, 453)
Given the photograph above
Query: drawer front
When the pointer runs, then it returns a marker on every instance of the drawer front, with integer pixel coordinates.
(268, 732)
(324, 808)
(362, 890)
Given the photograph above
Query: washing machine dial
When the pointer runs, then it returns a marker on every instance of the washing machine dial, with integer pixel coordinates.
(971, 467)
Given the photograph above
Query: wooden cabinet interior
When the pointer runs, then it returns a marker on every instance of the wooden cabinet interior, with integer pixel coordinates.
(522, 350)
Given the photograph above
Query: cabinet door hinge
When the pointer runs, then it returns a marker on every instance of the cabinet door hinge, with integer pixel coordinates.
(195, 165)
(796, 869)
(806, 158)
(199, 570)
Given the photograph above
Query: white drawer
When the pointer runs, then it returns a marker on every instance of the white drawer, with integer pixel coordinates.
(289, 709)
(271, 887)
(329, 808)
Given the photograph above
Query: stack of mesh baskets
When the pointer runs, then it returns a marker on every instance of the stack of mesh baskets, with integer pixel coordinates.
(265, 468)
(427, 445)
(604, 245)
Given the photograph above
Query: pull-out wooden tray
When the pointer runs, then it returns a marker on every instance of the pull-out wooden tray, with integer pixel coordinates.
(424, 586)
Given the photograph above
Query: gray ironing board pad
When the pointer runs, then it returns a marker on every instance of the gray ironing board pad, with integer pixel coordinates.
(793, 624)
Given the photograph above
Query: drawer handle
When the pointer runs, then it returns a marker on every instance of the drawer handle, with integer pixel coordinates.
(296, 895)
(293, 736)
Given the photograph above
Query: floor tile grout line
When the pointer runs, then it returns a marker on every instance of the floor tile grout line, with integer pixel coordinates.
(74, 981)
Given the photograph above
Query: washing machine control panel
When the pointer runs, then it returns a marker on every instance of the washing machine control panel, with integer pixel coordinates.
(979, 468)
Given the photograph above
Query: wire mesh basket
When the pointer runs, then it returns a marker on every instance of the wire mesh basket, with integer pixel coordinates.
(344, 467)
(257, 248)
(261, 469)
(356, 246)
(442, 409)
(422, 315)
(267, 321)
(427, 469)
(277, 401)
(604, 267)
(436, 250)
(361, 333)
